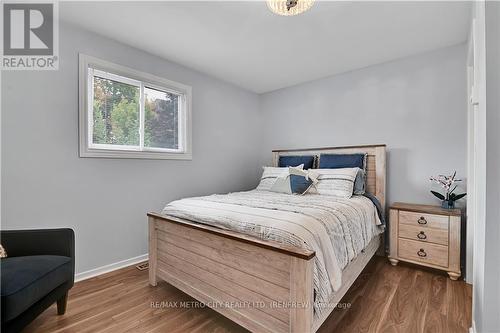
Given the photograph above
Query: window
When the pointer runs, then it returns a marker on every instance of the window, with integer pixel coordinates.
(128, 114)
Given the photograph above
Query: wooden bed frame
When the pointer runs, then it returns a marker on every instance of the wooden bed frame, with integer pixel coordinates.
(263, 286)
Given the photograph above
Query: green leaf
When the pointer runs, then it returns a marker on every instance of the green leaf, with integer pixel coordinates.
(459, 196)
(453, 189)
(438, 195)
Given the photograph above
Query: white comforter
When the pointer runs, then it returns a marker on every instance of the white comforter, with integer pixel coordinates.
(337, 229)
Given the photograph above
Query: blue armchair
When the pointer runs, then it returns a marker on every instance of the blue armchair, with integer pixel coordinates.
(38, 271)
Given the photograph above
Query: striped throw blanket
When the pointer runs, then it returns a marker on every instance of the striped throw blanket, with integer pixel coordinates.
(337, 229)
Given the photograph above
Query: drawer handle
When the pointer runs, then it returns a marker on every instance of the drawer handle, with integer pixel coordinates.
(422, 220)
(421, 235)
(422, 253)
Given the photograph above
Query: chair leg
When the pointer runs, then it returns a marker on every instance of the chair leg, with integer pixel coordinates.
(61, 304)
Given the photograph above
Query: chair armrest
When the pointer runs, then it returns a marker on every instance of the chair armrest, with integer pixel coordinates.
(39, 242)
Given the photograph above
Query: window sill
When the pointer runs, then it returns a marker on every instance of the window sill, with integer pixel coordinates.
(147, 155)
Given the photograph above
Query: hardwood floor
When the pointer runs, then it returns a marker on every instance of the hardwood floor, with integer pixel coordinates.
(383, 299)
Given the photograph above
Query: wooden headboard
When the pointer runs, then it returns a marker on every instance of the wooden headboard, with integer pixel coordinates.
(375, 165)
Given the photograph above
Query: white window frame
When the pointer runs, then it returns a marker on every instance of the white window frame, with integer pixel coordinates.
(88, 66)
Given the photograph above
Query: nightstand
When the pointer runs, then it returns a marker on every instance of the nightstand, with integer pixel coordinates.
(425, 235)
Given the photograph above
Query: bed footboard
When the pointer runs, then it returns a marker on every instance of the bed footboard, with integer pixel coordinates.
(262, 286)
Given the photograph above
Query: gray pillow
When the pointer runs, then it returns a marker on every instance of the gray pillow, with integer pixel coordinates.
(359, 182)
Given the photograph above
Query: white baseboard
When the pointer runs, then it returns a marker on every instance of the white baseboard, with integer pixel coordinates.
(472, 329)
(109, 268)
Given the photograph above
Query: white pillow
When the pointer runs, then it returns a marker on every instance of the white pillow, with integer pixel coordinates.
(270, 176)
(335, 182)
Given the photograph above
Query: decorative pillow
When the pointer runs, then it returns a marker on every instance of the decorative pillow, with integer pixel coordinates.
(337, 161)
(270, 175)
(301, 180)
(335, 182)
(293, 161)
(3, 253)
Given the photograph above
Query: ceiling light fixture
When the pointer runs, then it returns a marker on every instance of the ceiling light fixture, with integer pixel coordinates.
(289, 7)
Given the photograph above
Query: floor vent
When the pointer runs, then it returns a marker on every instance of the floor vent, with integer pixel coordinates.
(143, 266)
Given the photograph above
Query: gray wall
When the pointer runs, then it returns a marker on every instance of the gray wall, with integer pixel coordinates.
(417, 106)
(45, 184)
(489, 319)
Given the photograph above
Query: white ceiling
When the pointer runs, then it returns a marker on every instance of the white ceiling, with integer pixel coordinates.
(244, 43)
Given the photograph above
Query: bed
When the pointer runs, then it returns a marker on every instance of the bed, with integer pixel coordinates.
(262, 283)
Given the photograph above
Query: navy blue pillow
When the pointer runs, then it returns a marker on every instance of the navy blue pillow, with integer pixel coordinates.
(293, 161)
(299, 184)
(337, 161)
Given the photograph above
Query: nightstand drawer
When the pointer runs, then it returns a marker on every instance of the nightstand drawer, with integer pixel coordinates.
(423, 252)
(423, 234)
(423, 220)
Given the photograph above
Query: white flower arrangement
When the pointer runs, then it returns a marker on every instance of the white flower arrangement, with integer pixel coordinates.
(447, 183)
